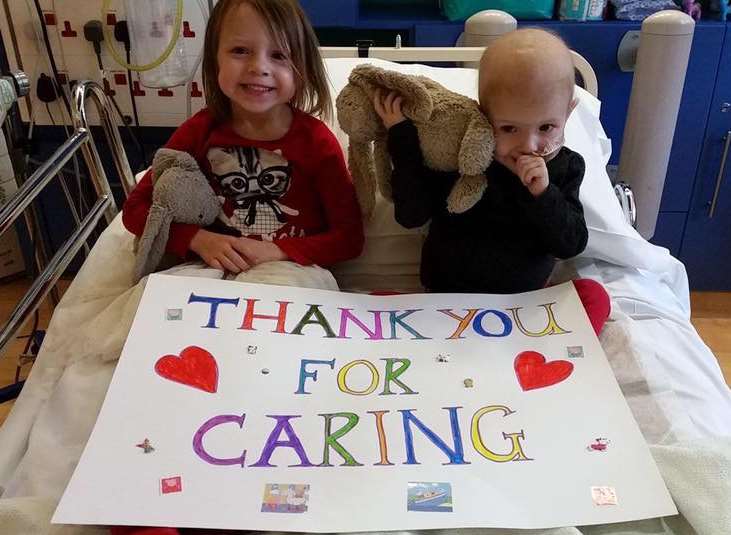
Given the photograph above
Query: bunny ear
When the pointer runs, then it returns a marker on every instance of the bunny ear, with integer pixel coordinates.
(153, 241)
(382, 162)
(360, 162)
(166, 158)
(477, 146)
(418, 103)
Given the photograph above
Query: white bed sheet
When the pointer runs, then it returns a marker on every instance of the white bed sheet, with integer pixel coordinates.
(679, 367)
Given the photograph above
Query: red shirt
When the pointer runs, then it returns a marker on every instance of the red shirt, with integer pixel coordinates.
(295, 191)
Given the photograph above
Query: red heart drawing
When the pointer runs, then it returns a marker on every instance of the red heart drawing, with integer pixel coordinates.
(194, 367)
(534, 372)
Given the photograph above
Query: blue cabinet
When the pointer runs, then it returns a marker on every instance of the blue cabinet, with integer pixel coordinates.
(324, 13)
(693, 116)
(690, 131)
(706, 244)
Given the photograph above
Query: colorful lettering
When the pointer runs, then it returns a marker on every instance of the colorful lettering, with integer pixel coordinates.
(516, 453)
(346, 315)
(214, 302)
(551, 328)
(392, 375)
(273, 442)
(502, 316)
(319, 319)
(207, 426)
(398, 319)
(455, 455)
(249, 316)
(304, 374)
(464, 321)
(382, 445)
(344, 372)
(331, 439)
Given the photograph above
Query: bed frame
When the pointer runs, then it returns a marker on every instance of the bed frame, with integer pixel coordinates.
(661, 65)
(469, 55)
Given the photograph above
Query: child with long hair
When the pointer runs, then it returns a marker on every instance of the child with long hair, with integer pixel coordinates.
(287, 193)
(280, 172)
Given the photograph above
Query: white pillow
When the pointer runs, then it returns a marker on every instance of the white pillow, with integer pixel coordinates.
(391, 255)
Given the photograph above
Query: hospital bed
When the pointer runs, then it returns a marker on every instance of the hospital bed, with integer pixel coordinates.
(671, 380)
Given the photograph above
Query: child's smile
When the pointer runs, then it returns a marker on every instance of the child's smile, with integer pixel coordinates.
(257, 89)
(254, 70)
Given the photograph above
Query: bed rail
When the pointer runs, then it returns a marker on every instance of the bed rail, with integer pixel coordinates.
(103, 207)
(657, 88)
(467, 54)
(82, 91)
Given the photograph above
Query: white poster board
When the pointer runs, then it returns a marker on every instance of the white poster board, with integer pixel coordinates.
(272, 408)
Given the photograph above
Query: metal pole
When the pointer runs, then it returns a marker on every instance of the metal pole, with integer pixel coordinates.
(38, 180)
(47, 279)
(657, 87)
(85, 89)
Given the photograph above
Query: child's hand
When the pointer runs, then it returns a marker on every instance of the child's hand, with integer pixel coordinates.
(219, 251)
(533, 173)
(257, 251)
(388, 108)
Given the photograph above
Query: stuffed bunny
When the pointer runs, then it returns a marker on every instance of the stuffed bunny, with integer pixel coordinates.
(453, 133)
(181, 194)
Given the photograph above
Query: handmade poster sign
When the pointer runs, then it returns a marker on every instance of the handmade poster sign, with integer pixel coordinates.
(271, 408)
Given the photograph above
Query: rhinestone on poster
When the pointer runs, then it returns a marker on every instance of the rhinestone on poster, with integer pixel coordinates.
(145, 446)
(174, 314)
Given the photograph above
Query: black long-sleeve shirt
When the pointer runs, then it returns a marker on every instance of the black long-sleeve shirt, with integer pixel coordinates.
(508, 242)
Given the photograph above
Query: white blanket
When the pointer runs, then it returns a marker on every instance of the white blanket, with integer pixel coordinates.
(45, 433)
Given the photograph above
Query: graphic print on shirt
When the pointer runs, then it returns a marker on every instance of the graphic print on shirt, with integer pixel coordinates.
(252, 182)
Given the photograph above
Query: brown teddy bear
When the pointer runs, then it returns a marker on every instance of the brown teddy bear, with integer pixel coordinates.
(453, 133)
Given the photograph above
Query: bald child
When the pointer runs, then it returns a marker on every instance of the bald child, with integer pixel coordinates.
(530, 213)
(526, 89)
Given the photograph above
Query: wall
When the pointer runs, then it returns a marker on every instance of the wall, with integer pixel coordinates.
(75, 56)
